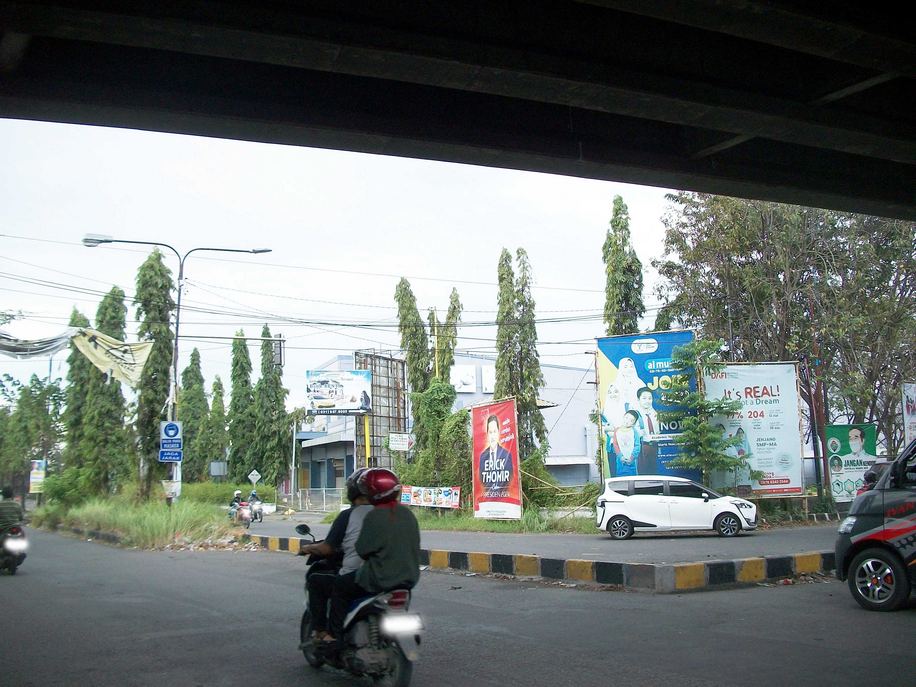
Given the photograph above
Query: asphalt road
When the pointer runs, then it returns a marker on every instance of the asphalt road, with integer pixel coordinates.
(84, 613)
(642, 548)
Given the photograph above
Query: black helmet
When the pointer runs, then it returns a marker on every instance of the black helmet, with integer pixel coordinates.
(353, 491)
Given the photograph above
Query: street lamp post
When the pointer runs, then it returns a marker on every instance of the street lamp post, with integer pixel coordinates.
(93, 240)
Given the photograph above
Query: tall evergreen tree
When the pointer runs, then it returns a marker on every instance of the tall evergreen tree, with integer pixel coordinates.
(518, 368)
(211, 443)
(154, 308)
(623, 304)
(415, 344)
(193, 412)
(105, 444)
(448, 336)
(507, 374)
(272, 427)
(78, 371)
(532, 432)
(241, 411)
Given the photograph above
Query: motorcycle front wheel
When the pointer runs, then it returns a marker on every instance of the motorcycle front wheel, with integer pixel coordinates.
(305, 641)
(399, 668)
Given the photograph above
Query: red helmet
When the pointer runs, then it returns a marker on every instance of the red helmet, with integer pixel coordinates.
(379, 485)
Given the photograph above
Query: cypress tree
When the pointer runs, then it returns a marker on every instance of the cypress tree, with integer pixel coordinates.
(271, 425)
(154, 308)
(105, 443)
(78, 371)
(241, 411)
(532, 431)
(212, 441)
(193, 412)
(507, 378)
(415, 344)
(623, 304)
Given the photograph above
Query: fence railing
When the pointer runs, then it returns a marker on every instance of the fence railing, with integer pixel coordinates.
(324, 500)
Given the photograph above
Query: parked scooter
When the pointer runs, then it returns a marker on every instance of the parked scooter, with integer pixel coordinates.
(13, 546)
(381, 638)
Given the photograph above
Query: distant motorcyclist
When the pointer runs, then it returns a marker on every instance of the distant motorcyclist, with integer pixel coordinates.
(389, 543)
(10, 511)
(235, 502)
(253, 497)
(339, 550)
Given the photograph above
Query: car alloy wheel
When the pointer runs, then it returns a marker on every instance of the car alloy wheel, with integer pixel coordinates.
(620, 527)
(878, 581)
(728, 525)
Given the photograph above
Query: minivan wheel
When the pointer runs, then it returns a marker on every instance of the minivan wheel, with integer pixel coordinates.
(727, 525)
(620, 527)
(878, 581)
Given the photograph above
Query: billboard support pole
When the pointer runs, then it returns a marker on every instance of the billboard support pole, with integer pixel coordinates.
(366, 434)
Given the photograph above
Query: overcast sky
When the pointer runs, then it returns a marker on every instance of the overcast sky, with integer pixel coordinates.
(343, 228)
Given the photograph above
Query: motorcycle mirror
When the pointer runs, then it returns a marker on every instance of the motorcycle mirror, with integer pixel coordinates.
(303, 529)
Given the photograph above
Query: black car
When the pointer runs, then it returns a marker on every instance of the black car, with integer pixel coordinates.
(876, 543)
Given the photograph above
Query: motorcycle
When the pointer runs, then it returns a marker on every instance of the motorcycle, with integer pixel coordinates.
(381, 638)
(243, 514)
(257, 511)
(13, 546)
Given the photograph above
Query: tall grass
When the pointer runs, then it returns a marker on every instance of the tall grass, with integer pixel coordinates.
(532, 521)
(148, 525)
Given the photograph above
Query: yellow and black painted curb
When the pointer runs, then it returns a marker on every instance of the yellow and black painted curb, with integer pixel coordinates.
(662, 578)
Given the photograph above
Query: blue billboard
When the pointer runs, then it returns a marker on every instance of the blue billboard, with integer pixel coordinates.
(633, 373)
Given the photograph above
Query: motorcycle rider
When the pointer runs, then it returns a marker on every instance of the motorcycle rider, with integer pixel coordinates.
(339, 553)
(253, 496)
(10, 511)
(234, 503)
(389, 544)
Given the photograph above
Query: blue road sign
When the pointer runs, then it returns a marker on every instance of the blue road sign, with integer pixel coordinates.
(170, 444)
(171, 430)
(169, 456)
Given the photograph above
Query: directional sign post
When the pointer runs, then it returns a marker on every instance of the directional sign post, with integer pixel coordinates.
(170, 442)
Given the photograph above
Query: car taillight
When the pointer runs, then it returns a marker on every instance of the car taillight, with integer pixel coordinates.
(15, 531)
(398, 599)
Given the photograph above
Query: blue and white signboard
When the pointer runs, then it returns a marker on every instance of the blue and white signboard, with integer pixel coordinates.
(170, 442)
(633, 373)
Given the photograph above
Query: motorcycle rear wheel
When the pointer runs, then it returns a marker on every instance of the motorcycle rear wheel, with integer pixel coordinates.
(309, 651)
(400, 669)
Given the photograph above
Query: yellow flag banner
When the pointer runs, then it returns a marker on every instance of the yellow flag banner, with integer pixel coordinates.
(124, 361)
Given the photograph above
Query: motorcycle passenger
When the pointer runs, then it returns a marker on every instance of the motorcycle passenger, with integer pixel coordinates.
(253, 496)
(10, 511)
(234, 503)
(389, 545)
(339, 549)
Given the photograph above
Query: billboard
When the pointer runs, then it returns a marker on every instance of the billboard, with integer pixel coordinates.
(633, 373)
(494, 461)
(37, 476)
(850, 452)
(431, 497)
(341, 392)
(909, 412)
(767, 425)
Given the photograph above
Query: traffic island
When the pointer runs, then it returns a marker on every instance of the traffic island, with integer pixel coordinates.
(661, 578)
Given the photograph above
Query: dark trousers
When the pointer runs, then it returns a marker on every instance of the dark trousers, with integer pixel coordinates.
(345, 590)
(320, 588)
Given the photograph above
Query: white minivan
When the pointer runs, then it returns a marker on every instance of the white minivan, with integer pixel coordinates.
(662, 502)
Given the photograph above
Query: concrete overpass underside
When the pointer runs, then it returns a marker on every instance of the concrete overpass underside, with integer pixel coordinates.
(801, 102)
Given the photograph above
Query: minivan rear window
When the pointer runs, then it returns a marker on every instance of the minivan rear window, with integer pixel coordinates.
(621, 486)
(648, 488)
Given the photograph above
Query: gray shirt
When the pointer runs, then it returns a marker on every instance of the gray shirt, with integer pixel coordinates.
(351, 559)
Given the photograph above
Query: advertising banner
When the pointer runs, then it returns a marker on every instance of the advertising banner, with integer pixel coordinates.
(340, 392)
(37, 476)
(633, 373)
(850, 452)
(909, 412)
(768, 424)
(494, 461)
(431, 497)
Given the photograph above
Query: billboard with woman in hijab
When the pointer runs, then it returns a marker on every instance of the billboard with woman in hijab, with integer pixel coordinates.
(633, 373)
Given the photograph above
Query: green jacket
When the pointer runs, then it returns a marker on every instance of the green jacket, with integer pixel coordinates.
(390, 544)
(10, 513)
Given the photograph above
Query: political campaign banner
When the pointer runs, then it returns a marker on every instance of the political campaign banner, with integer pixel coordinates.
(338, 392)
(767, 425)
(37, 476)
(851, 450)
(909, 412)
(431, 497)
(497, 489)
(633, 373)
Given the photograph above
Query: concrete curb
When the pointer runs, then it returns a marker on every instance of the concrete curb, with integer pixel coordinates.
(661, 578)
